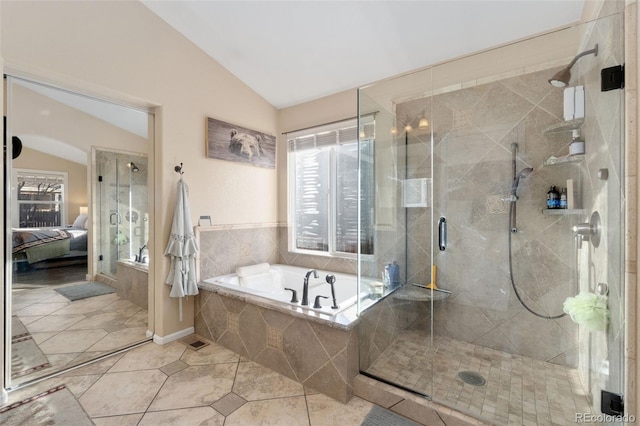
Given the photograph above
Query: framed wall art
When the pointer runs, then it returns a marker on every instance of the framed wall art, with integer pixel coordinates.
(226, 141)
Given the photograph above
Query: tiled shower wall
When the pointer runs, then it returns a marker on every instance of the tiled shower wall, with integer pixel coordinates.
(473, 131)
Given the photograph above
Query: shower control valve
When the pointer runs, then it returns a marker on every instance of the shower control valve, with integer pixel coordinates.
(590, 231)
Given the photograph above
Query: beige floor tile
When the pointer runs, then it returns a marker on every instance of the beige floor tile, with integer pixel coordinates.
(254, 382)
(98, 367)
(281, 411)
(212, 354)
(98, 321)
(72, 341)
(140, 319)
(122, 393)
(41, 337)
(53, 323)
(200, 416)
(195, 387)
(130, 420)
(327, 411)
(149, 356)
(29, 319)
(228, 404)
(120, 338)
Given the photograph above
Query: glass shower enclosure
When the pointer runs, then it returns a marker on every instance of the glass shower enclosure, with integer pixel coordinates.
(122, 213)
(465, 154)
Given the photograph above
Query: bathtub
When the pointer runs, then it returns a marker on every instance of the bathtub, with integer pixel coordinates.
(285, 276)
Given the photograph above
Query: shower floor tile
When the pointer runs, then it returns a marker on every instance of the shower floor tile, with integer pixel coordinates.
(518, 390)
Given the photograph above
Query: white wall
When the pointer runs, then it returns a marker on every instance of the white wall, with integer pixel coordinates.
(122, 51)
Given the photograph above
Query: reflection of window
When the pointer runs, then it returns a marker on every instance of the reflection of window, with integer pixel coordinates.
(323, 168)
(40, 198)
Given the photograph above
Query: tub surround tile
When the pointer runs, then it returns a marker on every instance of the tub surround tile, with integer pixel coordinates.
(253, 330)
(303, 349)
(307, 346)
(277, 361)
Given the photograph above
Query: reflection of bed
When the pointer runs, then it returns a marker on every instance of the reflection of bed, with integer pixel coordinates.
(48, 247)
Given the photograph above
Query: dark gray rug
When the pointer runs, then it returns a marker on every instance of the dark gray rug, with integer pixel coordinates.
(83, 291)
(379, 416)
(56, 406)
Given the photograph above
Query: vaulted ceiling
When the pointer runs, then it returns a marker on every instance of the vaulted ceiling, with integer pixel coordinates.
(291, 52)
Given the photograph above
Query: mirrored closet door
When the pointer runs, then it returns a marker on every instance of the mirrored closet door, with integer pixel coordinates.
(76, 228)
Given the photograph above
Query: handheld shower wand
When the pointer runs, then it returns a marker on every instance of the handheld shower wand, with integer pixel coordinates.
(514, 187)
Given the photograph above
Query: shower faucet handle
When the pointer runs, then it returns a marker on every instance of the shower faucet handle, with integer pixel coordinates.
(589, 230)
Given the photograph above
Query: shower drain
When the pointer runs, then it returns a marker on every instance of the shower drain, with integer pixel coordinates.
(472, 378)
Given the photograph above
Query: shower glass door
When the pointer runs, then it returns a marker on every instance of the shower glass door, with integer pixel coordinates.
(395, 333)
(121, 207)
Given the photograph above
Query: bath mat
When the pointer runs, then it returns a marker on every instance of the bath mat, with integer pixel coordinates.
(379, 416)
(26, 356)
(56, 406)
(83, 291)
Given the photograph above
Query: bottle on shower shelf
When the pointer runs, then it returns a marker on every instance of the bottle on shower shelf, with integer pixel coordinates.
(553, 198)
(563, 198)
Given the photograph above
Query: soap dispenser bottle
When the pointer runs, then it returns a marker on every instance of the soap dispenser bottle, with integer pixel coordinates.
(553, 198)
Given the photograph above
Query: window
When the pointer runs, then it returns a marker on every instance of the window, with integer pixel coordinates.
(323, 190)
(40, 198)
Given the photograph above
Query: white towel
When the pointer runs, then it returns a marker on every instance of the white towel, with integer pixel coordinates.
(245, 271)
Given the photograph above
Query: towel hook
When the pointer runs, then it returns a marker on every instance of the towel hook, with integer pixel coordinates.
(178, 169)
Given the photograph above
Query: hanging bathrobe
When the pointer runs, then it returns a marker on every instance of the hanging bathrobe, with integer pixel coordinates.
(182, 249)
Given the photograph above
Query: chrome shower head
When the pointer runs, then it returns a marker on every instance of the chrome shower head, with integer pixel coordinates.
(562, 77)
(133, 167)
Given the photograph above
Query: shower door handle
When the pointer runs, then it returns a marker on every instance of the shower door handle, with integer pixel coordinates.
(442, 234)
(115, 219)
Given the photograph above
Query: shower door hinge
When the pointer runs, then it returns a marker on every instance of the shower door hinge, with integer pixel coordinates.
(99, 178)
(101, 257)
(612, 78)
(611, 403)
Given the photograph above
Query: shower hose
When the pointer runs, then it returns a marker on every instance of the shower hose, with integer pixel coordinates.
(513, 284)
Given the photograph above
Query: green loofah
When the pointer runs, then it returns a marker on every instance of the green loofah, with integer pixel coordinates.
(588, 309)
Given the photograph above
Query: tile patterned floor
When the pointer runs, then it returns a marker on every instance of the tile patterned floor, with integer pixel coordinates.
(518, 390)
(69, 333)
(177, 385)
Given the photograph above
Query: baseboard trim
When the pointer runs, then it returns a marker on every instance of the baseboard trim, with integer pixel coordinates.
(163, 340)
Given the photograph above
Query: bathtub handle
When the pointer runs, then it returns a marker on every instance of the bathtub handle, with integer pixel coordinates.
(317, 304)
(294, 295)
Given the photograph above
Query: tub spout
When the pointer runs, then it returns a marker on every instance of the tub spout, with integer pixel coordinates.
(305, 288)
